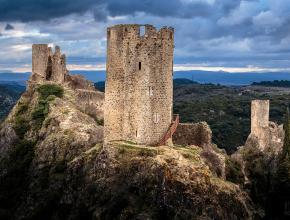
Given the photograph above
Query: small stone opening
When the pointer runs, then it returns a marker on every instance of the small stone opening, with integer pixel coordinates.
(49, 69)
(150, 91)
(140, 65)
(156, 118)
(171, 36)
(142, 31)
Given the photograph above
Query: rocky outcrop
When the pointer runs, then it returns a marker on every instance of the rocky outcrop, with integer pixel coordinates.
(67, 173)
(273, 139)
(200, 134)
(7, 138)
(122, 180)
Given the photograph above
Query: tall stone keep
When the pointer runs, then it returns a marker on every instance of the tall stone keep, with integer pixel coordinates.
(47, 65)
(260, 121)
(139, 87)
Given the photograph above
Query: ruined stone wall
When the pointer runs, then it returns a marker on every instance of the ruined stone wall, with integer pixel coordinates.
(198, 134)
(264, 134)
(49, 67)
(59, 70)
(260, 121)
(139, 90)
(91, 102)
(46, 65)
(40, 57)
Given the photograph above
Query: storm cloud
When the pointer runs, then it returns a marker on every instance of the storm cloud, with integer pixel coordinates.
(32, 10)
(226, 33)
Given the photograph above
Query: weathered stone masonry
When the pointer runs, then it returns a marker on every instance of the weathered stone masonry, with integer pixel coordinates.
(198, 134)
(49, 67)
(264, 133)
(139, 90)
(46, 65)
(260, 120)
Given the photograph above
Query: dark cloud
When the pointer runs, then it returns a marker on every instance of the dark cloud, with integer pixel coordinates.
(9, 27)
(219, 32)
(174, 8)
(33, 10)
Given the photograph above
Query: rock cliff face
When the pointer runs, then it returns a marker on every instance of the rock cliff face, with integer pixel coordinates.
(54, 166)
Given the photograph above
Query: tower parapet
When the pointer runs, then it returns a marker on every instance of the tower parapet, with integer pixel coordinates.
(139, 88)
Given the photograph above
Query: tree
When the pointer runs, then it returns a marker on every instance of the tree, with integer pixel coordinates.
(286, 146)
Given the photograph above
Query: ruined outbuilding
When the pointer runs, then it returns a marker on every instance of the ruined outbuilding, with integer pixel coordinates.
(264, 133)
(50, 67)
(198, 134)
(139, 85)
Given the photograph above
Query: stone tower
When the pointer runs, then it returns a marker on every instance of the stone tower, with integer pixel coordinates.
(260, 121)
(46, 65)
(265, 135)
(139, 87)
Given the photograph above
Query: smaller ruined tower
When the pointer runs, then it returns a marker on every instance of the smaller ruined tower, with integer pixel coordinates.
(40, 57)
(265, 135)
(46, 65)
(260, 121)
(139, 87)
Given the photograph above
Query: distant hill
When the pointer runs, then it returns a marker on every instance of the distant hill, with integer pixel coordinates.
(94, 76)
(182, 82)
(275, 83)
(100, 86)
(225, 78)
(176, 83)
(222, 78)
(9, 94)
(16, 78)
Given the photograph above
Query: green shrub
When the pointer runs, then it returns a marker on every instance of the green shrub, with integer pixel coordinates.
(100, 121)
(234, 171)
(40, 112)
(22, 108)
(50, 89)
(47, 92)
(21, 125)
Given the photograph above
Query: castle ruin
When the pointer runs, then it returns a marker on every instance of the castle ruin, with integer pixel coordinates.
(260, 120)
(49, 67)
(264, 133)
(139, 86)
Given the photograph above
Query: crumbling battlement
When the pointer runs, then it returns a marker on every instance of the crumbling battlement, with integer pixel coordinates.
(139, 88)
(264, 134)
(49, 67)
(198, 134)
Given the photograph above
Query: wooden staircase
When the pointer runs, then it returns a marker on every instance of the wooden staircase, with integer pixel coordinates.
(171, 130)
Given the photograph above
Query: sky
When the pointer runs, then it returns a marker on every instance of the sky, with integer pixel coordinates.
(213, 35)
